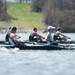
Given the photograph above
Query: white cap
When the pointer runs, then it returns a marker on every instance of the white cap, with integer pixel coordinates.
(50, 27)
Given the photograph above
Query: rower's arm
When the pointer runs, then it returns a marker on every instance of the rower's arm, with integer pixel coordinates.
(66, 36)
(18, 37)
(41, 36)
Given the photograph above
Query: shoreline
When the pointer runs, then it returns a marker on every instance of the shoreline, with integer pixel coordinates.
(4, 30)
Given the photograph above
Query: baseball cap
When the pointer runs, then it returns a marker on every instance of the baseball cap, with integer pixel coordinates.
(50, 27)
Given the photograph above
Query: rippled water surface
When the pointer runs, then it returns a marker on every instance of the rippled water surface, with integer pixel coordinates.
(25, 62)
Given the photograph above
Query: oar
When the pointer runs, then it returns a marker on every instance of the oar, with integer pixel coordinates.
(73, 41)
(45, 31)
(66, 36)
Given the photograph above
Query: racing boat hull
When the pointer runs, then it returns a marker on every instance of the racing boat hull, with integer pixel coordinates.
(35, 46)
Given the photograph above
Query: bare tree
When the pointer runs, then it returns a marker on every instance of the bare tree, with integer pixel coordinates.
(60, 13)
(3, 10)
(37, 5)
(57, 12)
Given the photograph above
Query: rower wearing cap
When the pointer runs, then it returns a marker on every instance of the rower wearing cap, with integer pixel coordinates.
(49, 34)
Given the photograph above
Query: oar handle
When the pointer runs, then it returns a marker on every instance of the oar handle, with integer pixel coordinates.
(66, 36)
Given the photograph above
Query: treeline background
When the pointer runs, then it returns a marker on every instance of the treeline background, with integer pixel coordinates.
(57, 13)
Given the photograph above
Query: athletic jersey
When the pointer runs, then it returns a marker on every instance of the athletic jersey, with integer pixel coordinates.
(34, 37)
(12, 39)
(49, 37)
(57, 36)
(7, 36)
(13, 35)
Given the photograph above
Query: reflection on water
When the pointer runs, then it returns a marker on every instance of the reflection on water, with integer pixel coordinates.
(17, 62)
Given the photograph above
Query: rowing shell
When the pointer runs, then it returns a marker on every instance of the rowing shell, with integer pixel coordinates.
(40, 46)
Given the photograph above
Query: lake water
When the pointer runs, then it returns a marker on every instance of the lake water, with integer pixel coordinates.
(25, 62)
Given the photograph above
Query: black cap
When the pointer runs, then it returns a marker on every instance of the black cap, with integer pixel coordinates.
(13, 29)
(59, 28)
(34, 28)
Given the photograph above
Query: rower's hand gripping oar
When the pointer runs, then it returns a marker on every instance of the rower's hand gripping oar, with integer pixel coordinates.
(66, 36)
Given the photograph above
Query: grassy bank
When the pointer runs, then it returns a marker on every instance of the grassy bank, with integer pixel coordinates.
(23, 17)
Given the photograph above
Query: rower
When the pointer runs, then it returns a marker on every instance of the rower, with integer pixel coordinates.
(59, 37)
(7, 35)
(49, 35)
(13, 38)
(34, 36)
